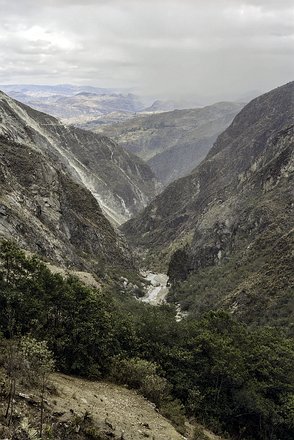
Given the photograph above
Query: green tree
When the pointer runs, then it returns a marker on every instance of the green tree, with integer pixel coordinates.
(38, 363)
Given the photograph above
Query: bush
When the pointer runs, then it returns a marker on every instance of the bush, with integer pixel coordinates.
(132, 371)
(141, 375)
(38, 361)
(198, 434)
(94, 372)
(155, 388)
(174, 411)
(229, 376)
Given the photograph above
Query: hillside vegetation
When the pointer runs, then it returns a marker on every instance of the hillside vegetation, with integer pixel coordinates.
(224, 374)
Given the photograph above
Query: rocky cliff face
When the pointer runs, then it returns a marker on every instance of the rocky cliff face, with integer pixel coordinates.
(44, 206)
(45, 211)
(120, 182)
(173, 143)
(228, 226)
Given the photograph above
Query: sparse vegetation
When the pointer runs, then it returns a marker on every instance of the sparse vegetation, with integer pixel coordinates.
(259, 279)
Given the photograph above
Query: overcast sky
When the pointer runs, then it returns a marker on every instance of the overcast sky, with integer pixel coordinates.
(165, 48)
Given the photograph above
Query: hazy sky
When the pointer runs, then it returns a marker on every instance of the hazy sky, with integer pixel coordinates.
(168, 48)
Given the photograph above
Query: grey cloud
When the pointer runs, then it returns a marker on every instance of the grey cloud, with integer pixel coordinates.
(169, 48)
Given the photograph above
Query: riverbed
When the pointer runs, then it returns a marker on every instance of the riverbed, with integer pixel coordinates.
(158, 289)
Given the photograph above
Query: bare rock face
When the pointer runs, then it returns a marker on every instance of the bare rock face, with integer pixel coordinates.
(43, 204)
(120, 182)
(173, 143)
(227, 228)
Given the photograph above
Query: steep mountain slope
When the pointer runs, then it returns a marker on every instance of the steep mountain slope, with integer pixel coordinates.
(173, 143)
(45, 211)
(229, 226)
(120, 182)
(77, 409)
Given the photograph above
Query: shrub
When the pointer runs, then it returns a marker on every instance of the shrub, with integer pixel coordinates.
(174, 411)
(38, 361)
(198, 434)
(155, 388)
(141, 375)
(132, 371)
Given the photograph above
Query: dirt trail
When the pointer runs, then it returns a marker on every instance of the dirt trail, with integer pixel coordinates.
(112, 406)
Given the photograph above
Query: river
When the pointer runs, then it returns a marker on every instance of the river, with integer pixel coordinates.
(158, 289)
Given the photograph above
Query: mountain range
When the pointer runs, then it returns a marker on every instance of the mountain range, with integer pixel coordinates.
(76, 104)
(225, 231)
(223, 234)
(84, 106)
(173, 142)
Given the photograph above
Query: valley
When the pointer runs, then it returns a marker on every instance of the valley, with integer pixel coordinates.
(202, 336)
(146, 220)
(169, 138)
(172, 143)
(224, 232)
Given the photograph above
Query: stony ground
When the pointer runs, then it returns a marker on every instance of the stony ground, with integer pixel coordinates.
(117, 409)
(77, 409)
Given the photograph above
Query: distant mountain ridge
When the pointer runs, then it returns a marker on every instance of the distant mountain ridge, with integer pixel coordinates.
(225, 231)
(173, 142)
(161, 106)
(59, 89)
(79, 106)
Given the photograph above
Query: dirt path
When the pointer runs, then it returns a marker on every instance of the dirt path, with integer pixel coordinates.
(112, 406)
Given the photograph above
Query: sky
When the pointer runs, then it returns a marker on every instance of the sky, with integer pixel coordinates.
(171, 49)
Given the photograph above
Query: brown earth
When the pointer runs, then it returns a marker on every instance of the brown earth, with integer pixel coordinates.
(116, 408)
